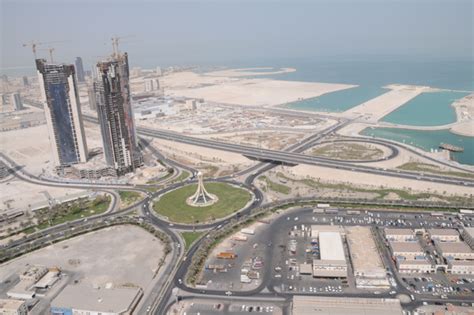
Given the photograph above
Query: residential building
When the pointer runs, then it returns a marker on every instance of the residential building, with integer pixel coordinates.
(16, 101)
(92, 98)
(25, 81)
(63, 112)
(80, 70)
(151, 85)
(158, 71)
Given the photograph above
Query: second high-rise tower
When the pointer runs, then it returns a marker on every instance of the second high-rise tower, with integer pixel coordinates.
(115, 114)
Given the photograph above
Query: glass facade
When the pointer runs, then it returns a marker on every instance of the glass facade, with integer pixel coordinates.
(62, 112)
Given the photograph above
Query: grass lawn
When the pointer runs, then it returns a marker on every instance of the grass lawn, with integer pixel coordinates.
(129, 197)
(434, 169)
(173, 204)
(280, 188)
(73, 212)
(190, 237)
(181, 177)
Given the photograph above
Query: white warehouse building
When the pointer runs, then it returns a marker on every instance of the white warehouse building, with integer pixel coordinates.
(332, 262)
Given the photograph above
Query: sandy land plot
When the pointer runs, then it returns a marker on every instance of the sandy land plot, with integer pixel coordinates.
(22, 195)
(375, 181)
(384, 104)
(121, 254)
(465, 107)
(465, 128)
(31, 146)
(195, 152)
(188, 79)
(349, 151)
(465, 116)
(259, 92)
(299, 189)
(242, 72)
(269, 139)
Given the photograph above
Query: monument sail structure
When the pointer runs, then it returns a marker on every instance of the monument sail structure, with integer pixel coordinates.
(201, 197)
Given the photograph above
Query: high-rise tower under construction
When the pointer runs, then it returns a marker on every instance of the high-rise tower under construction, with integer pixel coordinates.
(115, 114)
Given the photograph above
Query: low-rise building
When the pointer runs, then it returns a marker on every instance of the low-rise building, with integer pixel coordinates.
(461, 267)
(400, 235)
(316, 229)
(444, 235)
(367, 265)
(13, 307)
(33, 273)
(23, 290)
(407, 250)
(306, 269)
(48, 280)
(468, 236)
(415, 266)
(84, 300)
(333, 259)
(316, 305)
(329, 268)
(455, 250)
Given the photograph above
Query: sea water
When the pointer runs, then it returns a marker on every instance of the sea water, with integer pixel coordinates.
(339, 101)
(427, 109)
(428, 140)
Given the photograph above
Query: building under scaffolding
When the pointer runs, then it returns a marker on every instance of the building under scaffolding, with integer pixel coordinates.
(115, 114)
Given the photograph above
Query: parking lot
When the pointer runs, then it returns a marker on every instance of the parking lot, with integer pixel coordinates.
(285, 243)
(226, 307)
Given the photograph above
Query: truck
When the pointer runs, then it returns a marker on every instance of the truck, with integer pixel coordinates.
(323, 205)
(215, 267)
(241, 238)
(245, 279)
(247, 231)
(226, 255)
(353, 212)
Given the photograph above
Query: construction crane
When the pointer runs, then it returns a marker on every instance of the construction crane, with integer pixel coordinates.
(34, 44)
(50, 50)
(115, 44)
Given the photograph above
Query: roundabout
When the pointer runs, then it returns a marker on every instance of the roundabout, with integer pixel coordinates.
(354, 150)
(178, 207)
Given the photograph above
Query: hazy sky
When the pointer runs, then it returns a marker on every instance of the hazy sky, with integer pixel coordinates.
(220, 32)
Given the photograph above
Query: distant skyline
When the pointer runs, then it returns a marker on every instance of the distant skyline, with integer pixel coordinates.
(233, 32)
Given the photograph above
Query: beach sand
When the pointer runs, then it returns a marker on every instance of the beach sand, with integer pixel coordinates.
(378, 107)
(254, 92)
(465, 116)
(249, 72)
